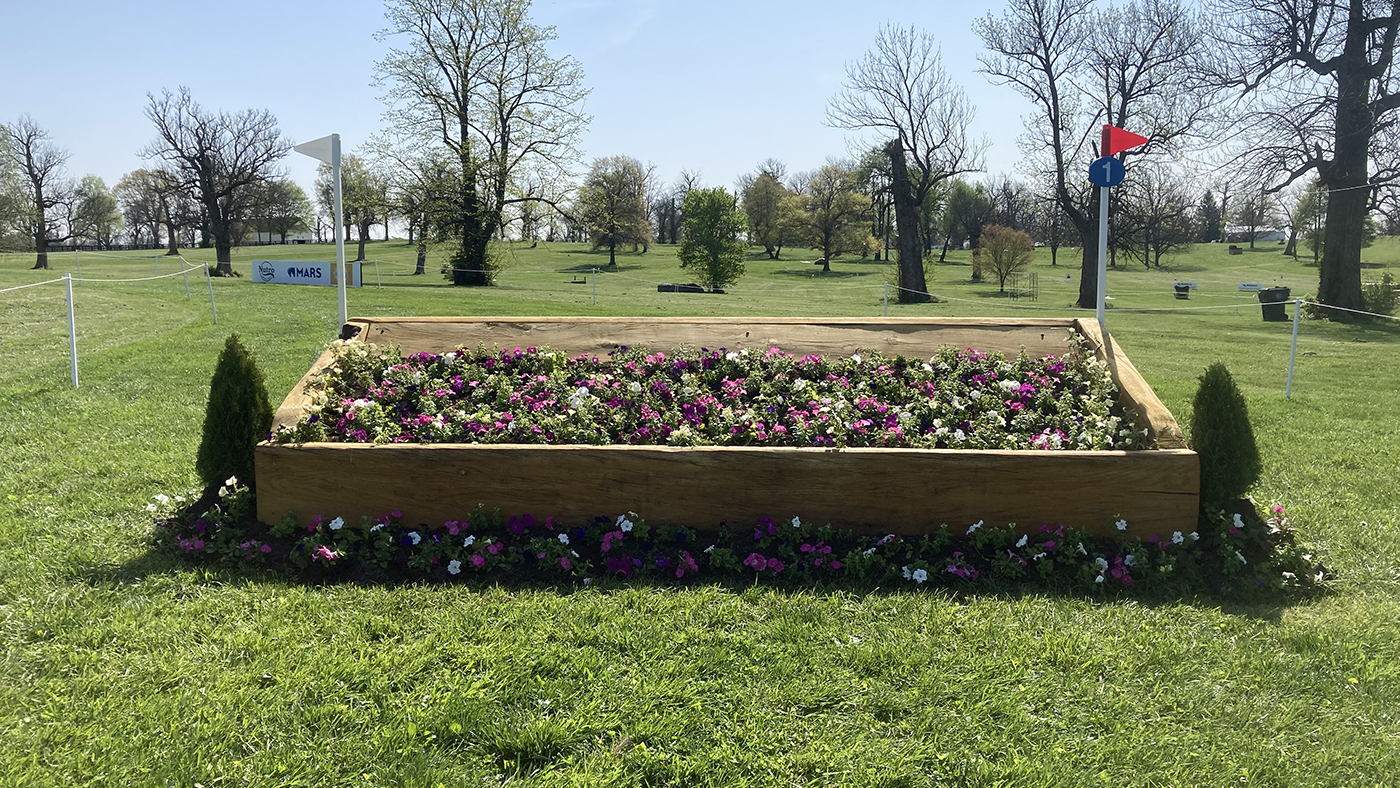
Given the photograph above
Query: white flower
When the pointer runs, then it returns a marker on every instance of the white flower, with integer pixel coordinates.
(799, 384)
(469, 541)
(162, 498)
(454, 566)
(1098, 579)
(563, 538)
(622, 523)
(587, 580)
(1082, 551)
(150, 507)
(231, 481)
(1195, 537)
(1241, 557)
(974, 527)
(869, 551)
(907, 573)
(179, 499)
(1037, 556)
(574, 553)
(1023, 540)
(928, 368)
(413, 535)
(919, 576)
(1177, 538)
(731, 356)
(1102, 563)
(634, 387)
(856, 357)
(449, 358)
(1121, 525)
(1239, 521)
(960, 435)
(1129, 560)
(709, 549)
(336, 524)
(796, 522)
(376, 527)
(1009, 385)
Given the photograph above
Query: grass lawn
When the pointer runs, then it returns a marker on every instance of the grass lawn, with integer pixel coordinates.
(123, 667)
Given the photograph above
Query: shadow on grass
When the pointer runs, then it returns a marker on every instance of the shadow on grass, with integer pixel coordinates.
(601, 268)
(1264, 605)
(820, 274)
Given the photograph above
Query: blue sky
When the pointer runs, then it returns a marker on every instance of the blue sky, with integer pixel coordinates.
(708, 86)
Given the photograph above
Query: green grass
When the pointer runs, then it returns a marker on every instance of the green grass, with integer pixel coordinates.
(123, 667)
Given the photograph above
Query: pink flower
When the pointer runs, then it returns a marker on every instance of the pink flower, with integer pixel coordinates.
(835, 564)
(566, 563)
(478, 561)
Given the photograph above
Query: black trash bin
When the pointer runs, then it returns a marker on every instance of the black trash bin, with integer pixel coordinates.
(1271, 300)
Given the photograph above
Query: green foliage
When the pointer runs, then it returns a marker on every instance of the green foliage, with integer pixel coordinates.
(613, 205)
(1379, 297)
(1006, 251)
(772, 210)
(711, 249)
(1222, 436)
(836, 217)
(237, 416)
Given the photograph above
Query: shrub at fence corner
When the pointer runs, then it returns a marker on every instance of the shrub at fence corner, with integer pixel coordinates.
(239, 414)
(1223, 438)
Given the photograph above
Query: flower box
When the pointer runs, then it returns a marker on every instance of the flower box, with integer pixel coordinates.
(906, 491)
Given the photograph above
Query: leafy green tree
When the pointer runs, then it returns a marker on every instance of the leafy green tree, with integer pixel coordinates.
(96, 215)
(614, 206)
(1007, 251)
(836, 215)
(237, 416)
(282, 208)
(711, 249)
(364, 196)
(1210, 218)
(138, 196)
(772, 210)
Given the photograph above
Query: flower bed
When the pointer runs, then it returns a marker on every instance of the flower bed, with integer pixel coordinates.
(1234, 550)
(869, 479)
(955, 399)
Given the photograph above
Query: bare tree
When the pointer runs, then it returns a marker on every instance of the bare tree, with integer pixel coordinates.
(901, 90)
(474, 78)
(1130, 66)
(139, 200)
(43, 168)
(1326, 92)
(219, 158)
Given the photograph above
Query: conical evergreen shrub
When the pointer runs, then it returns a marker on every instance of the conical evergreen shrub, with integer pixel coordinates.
(238, 415)
(1222, 436)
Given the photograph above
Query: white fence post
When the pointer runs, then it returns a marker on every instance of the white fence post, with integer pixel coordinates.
(1293, 351)
(210, 279)
(72, 330)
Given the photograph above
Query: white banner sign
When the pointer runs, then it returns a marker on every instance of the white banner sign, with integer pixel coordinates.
(1251, 287)
(302, 272)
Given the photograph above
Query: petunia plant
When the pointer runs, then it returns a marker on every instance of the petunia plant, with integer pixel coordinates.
(959, 399)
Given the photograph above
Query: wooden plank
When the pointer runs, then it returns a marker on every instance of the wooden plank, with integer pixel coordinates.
(290, 411)
(870, 490)
(1163, 432)
(912, 337)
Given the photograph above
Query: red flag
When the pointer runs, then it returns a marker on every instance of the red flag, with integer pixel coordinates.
(1115, 140)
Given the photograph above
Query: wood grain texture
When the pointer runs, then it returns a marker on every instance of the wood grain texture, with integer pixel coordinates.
(290, 411)
(904, 491)
(914, 337)
(1134, 393)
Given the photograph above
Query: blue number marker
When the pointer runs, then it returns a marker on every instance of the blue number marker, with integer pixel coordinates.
(1106, 171)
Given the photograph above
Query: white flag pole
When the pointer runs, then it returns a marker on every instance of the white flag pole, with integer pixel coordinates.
(343, 272)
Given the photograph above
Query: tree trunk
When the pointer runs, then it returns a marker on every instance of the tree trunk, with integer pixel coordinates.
(1346, 178)
(173, 240)
(223, 255)
(364, 233)
(1087, 225)
(612, 254)
(41, 247)
(912, 287)
(1291, 249)
(422, 257)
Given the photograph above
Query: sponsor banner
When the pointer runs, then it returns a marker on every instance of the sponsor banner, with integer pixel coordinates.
(1251, 287)
(302, 272)
(1187, 285)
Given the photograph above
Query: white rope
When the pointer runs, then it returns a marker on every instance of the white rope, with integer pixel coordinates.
(36, 284)
(1353, 311)
(181, 272)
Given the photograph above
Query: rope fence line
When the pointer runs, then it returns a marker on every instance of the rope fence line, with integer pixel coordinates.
(33, 284)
